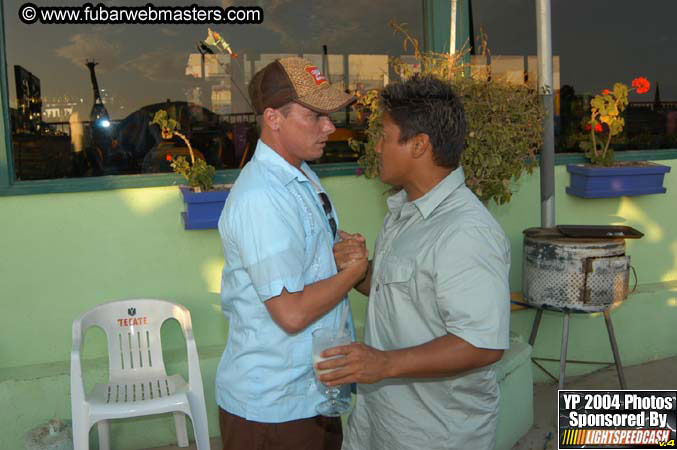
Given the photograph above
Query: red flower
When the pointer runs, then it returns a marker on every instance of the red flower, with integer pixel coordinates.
(606, 92)
(233, 55)
(598, 127)
(168, 157)
(642, 85)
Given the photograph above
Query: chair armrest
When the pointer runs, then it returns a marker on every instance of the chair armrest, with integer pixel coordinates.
(77, 337)
(76, 366)
(194, 373)
(77, 383)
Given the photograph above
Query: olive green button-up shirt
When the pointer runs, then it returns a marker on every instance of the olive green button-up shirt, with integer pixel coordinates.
(440, 266)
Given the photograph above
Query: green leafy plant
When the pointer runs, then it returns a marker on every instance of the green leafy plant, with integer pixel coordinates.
(606, 120)
(504, 121)
(198, 173)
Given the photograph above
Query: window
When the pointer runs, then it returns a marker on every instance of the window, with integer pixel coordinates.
(594, 45)
(81, 97)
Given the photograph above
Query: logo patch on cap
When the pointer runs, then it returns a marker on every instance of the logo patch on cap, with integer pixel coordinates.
(316, 74)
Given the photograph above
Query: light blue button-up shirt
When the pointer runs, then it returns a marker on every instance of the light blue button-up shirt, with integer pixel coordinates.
(275, 235)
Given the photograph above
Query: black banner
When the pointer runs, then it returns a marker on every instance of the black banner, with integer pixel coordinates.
(617, 419)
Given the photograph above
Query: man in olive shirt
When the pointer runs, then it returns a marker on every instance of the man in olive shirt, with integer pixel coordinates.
(438, 312)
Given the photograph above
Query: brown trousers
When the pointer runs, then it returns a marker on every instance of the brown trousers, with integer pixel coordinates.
(314, 433)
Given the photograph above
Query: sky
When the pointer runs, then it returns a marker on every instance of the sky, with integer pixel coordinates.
(598, 42)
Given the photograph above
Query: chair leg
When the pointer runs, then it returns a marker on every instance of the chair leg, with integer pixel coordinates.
(563, 351)
(80, 433)
(181, 430)
(614, 348)
(198, 411)
(104, 434)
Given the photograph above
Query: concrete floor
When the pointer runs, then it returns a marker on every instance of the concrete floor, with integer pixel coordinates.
(660, 374)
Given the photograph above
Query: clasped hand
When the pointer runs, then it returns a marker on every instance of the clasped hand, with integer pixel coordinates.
(350, 250)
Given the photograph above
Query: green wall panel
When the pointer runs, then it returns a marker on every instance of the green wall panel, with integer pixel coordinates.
(64, 253)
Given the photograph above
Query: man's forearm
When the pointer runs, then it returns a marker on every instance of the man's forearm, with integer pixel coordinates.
(442, 357)
(364, 286)
(294, 311)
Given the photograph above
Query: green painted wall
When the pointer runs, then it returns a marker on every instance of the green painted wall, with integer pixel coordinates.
(64, 253)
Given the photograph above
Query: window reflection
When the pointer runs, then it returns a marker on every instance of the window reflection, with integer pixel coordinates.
(82, 105)
(595, 45)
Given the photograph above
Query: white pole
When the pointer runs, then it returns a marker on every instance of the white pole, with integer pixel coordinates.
(452, 28)
(545, 89)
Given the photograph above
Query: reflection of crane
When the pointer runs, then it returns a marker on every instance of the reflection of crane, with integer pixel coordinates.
(99, 125)
(203, 50)
(99, 115)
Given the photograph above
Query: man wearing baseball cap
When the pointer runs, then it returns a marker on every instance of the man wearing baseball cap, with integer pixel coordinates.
(280, 280)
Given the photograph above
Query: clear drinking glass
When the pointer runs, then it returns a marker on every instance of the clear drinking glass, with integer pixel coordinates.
(324, 338)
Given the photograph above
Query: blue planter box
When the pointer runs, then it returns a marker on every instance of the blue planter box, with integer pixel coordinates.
(604, 182)
(202, 208)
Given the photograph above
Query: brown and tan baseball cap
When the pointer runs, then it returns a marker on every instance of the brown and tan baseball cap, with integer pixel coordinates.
(297, 80)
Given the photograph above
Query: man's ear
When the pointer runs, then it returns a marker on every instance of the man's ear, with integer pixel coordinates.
(420, 145)
(271, 118)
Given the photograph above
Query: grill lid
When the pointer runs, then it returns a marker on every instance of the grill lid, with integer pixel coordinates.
(587, 232)
(599, 231)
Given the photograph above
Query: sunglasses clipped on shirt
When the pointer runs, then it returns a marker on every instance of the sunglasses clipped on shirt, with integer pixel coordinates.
(326, 205)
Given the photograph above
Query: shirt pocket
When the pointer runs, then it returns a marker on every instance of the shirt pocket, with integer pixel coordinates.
(397, 274)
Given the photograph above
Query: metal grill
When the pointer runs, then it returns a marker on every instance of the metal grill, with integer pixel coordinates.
(573, 274)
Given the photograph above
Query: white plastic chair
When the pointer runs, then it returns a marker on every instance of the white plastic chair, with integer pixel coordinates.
(138, 384)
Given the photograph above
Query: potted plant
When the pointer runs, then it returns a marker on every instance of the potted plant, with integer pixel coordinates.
(504, 122)
(604, 177)
(204, 201)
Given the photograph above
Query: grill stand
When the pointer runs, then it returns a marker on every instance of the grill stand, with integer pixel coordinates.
(565, 342)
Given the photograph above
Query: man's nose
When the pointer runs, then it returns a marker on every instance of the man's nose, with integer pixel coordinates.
(327, 125)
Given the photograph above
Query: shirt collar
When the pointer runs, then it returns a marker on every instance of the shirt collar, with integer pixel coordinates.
(431, 200)
(278, 165)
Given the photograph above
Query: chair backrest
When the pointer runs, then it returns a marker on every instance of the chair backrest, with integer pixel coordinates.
(132, 329)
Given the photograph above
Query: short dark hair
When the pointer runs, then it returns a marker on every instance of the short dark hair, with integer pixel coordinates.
(426, 104)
